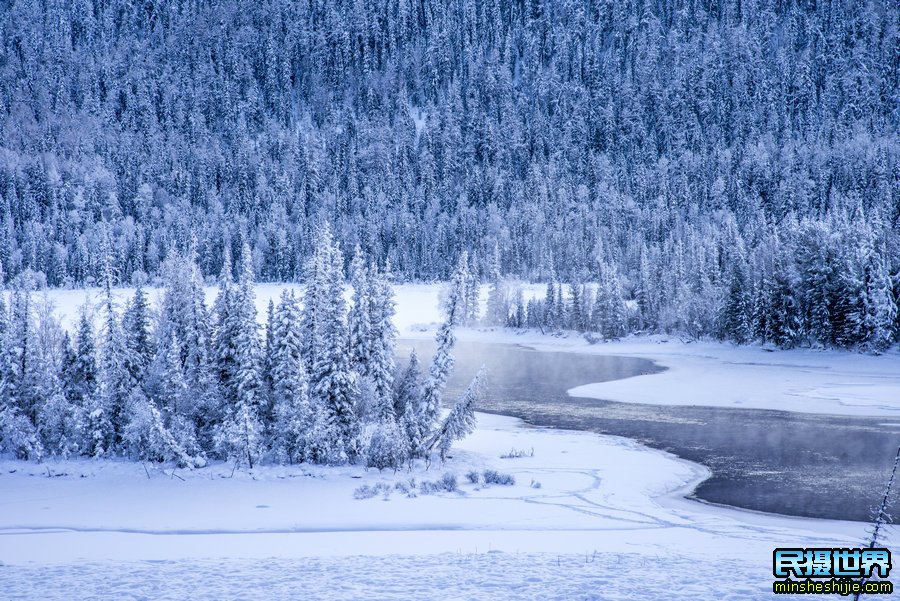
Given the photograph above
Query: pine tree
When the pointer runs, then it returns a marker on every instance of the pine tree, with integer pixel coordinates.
(269, 359)
(385, 445)
(497, 304)
(472, 295)
(609, 307)
(460, 422)
(782, 312)
(442, 362)
(248, 356)
(737, 311)
(149, 439)
(225, 337)
(332, 381)
(136, 328)
(293, 412)
(79, 379)
(550, 313)
(114, 381)
(576, 314)
(560, 319)
(359, 318)
(879, 306)
(383, 335)
(520, 317)
(408, 389)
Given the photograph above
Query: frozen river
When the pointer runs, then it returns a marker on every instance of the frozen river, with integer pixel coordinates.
(779, 462)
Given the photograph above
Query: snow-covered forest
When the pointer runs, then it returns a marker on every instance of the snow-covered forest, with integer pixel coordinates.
(188, 383)
(730, 167)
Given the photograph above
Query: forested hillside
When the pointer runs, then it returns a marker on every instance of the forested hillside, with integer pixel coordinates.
(710, 155)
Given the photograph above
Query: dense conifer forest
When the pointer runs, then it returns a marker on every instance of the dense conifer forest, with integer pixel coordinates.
(726, 167)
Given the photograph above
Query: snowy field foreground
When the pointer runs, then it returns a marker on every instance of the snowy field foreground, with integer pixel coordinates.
(607, 522)
(589, 516)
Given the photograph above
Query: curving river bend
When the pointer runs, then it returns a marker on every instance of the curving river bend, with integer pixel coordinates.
(778, 462)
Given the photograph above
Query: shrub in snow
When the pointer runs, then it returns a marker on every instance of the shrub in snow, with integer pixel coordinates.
(473, 477)
(149, 439)
(517, 453)
(19, 436)
(408, 488)
(447, 483)
(62, 430)
(367, 492)
(364, 492)
(385, 446)
(495, 477)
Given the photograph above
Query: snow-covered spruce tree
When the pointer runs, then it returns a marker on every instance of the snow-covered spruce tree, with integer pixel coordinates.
(780, 307)
(60, 424)
(737, 311)
(147, 437)
(359, 318)
(497, 312)
(183, 317)
(881, 306)
(460, 422)
(290, 389)
(385, 445)
(224, 345)
(519, 318)
(383, 334)
(268, 357)
(561, 308)
(79, 375)
(62, 419)
(442, 362)
(609, 318)
(138, 338)
(57, 422)
(428, 413)
(241, 434)
(577, 313)
(332, 379)
(472, 295)
(108, 417)
(19, 384)
(815, 260)
(408, 399)
(384, 442)
(315, 293)
(549, 317)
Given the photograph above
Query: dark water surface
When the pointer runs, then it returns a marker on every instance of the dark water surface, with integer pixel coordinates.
(773, 461)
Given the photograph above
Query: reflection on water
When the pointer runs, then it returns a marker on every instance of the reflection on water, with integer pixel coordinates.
(795, 464)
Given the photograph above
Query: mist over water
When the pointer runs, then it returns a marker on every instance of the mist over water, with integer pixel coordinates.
(778, 462)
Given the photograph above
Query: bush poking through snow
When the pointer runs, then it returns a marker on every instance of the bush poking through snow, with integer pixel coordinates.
(517, 453)
(495, 477)
(367, 492)
(473, 477)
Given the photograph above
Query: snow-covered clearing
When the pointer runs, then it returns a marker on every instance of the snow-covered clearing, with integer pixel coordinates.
(608, 521)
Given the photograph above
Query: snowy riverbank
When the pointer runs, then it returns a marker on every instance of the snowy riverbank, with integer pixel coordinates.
(602, 502)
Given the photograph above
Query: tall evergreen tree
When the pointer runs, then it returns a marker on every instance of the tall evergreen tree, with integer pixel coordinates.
(332, 380)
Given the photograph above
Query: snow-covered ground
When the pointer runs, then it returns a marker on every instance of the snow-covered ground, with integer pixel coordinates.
(608, 521)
